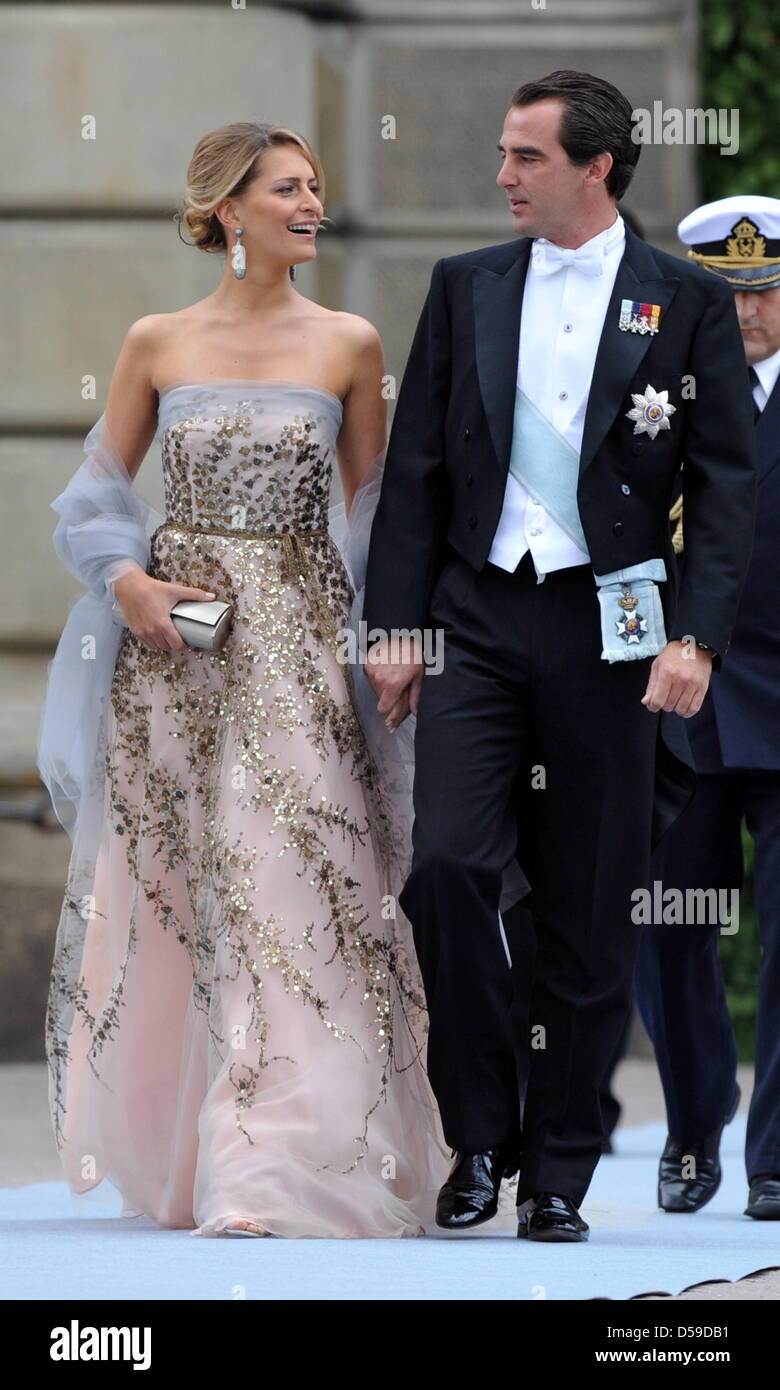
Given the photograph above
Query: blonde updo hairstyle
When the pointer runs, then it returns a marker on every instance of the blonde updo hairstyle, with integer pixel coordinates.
(223, 164)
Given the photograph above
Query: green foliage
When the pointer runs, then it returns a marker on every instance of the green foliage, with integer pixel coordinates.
(740, 70)
(740, 957)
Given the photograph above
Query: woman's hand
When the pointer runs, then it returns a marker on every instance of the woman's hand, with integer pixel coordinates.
(147, 603)
(401, 709)
(394, 669)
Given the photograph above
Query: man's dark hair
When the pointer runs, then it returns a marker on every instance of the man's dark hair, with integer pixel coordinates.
(596, 119)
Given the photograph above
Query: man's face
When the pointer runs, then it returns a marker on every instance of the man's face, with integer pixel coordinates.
(758, 312)
(548, 195)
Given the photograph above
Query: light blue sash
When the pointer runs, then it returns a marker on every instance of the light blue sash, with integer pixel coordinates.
(547, 466)
(632, 620)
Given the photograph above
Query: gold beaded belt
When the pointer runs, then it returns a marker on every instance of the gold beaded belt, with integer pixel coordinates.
(295, 564)
(265, 533)
(295, 559)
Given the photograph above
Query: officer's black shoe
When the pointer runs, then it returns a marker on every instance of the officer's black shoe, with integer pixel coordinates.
(764, 1197)
(551, 1218)
(470, 1194)
(689, 1173)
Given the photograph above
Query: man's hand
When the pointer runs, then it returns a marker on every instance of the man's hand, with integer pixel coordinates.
(395, 673)
(679, 678)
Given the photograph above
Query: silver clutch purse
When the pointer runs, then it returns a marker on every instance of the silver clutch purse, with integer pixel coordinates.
(203, 623)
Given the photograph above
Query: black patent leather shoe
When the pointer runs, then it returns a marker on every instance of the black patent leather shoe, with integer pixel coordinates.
(470, 1194)
(764, 1197)
(676, 1190)
(552, 1218)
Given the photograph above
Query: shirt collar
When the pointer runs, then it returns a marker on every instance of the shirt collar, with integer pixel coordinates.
(606, 241)
(768, 371)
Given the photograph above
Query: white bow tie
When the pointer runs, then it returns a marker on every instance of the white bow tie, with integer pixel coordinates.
(548, 258)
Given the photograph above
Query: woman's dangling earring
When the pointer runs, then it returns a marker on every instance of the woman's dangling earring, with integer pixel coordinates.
(293, 271)
(238, 256)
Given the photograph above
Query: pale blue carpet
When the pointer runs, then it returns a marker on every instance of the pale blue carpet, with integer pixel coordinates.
(58, 1246)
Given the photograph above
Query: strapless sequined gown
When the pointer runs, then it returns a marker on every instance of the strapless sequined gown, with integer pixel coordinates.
(236, 1027)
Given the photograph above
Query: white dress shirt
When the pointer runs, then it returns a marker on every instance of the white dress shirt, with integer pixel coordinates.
(767, 373)
(560, 327)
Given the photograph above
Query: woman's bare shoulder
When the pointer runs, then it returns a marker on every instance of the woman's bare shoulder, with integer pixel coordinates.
(153, 329)
(152, 332)
(152, 337)
(354, 329)
(357, 344)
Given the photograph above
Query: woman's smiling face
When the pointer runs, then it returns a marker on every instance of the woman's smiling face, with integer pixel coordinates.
(284, 194)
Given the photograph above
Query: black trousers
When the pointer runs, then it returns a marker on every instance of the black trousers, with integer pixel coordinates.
(679, 982)
(518, 923)
(526, 725)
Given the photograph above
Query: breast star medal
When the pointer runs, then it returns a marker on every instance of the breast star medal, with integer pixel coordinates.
(636, 317)
(632, 626)
(651, 411)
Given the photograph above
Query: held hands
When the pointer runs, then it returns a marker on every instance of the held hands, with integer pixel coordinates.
(395, 674)
(679, 677)
(147, 603)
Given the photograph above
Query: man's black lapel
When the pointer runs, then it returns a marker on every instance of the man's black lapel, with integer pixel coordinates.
(497, 301)
(620, 352)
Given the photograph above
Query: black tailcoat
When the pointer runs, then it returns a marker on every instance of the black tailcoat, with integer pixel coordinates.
(449, 449)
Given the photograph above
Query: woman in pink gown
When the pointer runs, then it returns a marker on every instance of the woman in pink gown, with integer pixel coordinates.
(236, 1025)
